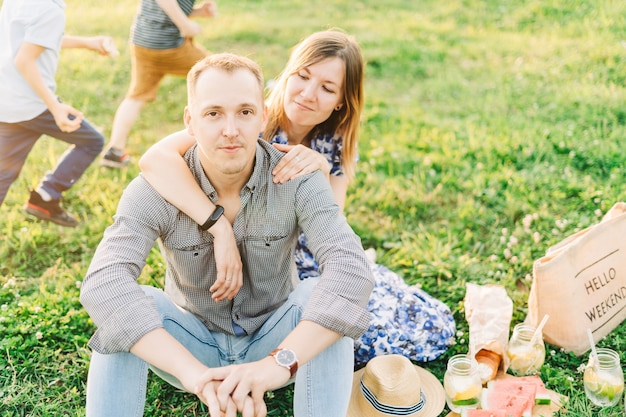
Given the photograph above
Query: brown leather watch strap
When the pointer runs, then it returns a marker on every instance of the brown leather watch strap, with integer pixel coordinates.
(284, 361)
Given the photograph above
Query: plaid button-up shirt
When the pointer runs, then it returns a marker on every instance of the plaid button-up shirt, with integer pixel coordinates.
(266, 229)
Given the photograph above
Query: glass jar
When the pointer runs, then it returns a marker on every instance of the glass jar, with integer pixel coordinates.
(604, 381)
(462, 383)
(525, 358)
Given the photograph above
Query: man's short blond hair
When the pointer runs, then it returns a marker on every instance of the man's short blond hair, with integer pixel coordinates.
(225, 62)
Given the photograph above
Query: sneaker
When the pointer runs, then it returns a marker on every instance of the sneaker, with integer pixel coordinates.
(115, 158)
(49, 210)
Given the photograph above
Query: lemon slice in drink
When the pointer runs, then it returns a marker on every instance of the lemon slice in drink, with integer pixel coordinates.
(470, 392)
(605, 387)
(464, 392)
(522, 362)
(468, 396)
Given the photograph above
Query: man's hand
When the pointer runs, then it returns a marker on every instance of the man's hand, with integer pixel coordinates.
(243, 385)
(299, 160)
(227, 261)
(209, 397)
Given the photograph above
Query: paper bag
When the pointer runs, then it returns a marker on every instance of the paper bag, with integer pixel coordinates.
(581, 284)
(488, 310)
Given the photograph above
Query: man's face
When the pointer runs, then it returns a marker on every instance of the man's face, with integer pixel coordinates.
(225, 117)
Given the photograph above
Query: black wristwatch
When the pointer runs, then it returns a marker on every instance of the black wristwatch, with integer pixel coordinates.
(213, 218)
(287, 359)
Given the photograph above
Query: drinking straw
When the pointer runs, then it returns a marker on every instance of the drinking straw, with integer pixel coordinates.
(538, 329)
(594, 352)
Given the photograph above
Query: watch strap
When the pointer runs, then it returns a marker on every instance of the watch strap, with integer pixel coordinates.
(213, 218)
(293, 368)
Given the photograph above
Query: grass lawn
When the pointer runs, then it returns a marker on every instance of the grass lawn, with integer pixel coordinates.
(480, 116)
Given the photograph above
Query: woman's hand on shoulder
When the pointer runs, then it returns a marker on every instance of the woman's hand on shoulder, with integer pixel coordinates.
(299, 160)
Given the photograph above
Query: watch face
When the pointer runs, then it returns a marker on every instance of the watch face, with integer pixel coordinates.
(285, 357)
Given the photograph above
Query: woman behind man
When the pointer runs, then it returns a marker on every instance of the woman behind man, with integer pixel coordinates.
(314, 111)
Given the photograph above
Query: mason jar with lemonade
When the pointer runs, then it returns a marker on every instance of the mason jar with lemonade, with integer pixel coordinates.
(462, 383)
(604, 379)
(526, 356)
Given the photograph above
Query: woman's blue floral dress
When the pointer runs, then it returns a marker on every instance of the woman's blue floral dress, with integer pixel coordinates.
(404, 319)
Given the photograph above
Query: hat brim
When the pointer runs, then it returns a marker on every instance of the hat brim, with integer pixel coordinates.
(431, 387)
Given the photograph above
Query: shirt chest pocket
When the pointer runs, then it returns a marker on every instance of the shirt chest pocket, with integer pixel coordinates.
(193, 266)
(268, 257)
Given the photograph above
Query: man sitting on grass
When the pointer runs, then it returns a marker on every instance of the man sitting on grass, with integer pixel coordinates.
(225, 339)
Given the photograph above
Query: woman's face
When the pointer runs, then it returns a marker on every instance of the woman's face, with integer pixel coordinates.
(314, 92)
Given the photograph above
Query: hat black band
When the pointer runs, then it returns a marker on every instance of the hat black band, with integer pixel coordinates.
(390, 409)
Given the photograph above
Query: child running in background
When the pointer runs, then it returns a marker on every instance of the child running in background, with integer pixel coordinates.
(31, 36)
(161, 43)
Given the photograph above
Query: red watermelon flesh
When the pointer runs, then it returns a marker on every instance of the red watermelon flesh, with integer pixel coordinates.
(483, 413)
(515, 386)
(531, 378)
(514, 405)
(541, 395)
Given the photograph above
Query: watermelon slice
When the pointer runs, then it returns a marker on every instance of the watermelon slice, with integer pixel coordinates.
(515, 386)
(541, 395)
(483, 413)
(514, 405)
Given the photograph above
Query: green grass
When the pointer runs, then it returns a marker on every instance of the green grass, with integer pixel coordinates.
(478, 114)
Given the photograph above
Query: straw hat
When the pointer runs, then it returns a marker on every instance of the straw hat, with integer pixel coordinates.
(391, 385)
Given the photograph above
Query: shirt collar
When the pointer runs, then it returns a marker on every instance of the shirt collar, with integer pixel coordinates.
(266, 158)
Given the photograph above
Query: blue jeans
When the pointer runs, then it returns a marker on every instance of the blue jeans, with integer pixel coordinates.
(17, 140)
(116, 384)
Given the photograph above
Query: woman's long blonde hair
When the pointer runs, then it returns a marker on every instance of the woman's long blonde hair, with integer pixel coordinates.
(345, 121)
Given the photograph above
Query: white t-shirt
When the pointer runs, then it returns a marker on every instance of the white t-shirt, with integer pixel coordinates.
(40, 22)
